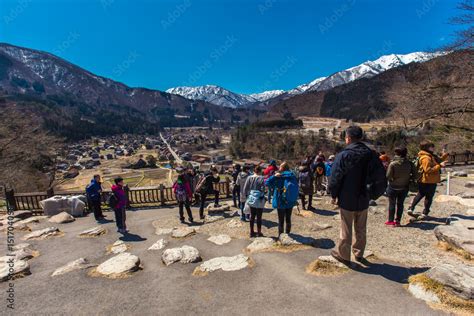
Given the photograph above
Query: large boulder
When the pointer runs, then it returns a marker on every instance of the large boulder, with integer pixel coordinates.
(234, 263)
(73, 205)
(184, 254)
(78, 264)
(456, 278)
(119, 266)
(459, 235)
(12, 268)
(42, 233)
(62, 218)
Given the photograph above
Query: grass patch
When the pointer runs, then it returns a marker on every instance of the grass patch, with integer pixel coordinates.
(448, 300)
(458, 251)
(322, 268)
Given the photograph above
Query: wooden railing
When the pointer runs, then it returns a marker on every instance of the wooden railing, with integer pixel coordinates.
(143, 196)
(466, 157)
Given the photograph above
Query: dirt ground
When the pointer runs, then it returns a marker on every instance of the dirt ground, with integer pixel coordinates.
(276, 284)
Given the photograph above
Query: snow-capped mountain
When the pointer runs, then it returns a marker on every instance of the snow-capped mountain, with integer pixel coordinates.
(213, 94)
(223, 97)
(367, 69)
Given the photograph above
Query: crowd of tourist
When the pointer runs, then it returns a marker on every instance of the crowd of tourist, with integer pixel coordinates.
(352, 178)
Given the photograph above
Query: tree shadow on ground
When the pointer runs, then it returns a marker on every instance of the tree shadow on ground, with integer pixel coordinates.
(391, 272)
(131, 237)
(323, 243)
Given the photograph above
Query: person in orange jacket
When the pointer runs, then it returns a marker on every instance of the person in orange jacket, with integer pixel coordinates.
(429, 166)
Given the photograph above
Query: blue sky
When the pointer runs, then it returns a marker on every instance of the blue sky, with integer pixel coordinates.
(246, 46)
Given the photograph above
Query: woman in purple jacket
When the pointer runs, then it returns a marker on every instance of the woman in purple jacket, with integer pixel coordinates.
(119, 208)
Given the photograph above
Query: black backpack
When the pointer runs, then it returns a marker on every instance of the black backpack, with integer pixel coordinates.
(112, 201)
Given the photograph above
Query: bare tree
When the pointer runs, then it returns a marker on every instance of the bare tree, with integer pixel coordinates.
(464, 38)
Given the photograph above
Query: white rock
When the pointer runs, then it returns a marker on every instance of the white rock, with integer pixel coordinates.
(29, 220)
(331, 260)
(23, 254)
(160, 244)
(19, 266)
(93, 232)
(320, 227)
(184, 254)
(62, 218)
(120, 264)
(211, 209)
(459, 235)
(42, 233)
(213, 218)
(456, 278)
(234, 263)
(419, 292)
(235, 223)
(456, 199)
(78, 264)
(220, 239)
(163, 231)
(118, 247)
(181, 232)
(260, 243)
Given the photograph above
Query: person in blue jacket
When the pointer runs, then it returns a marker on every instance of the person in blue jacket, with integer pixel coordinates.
(328, 165)
(94, 199)
(285, 186)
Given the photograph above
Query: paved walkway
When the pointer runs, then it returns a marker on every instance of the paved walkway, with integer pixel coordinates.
(276, 285)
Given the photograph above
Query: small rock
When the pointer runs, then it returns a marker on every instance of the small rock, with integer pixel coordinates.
(93, 232)
(211, 209)
(456, 278)
(184, 254)
(160, 244)
(331, 260)
(42, 233)
(220, 239)
(163, 231)
(19, 266)
(120, 265)
(260, 243)
(235, 223)
(62, 218)
(118, 247)
(78, 264)
(26, 253)
(461, 173)
(234, 263)
(418, 291)
(181, 232)
(213, 218)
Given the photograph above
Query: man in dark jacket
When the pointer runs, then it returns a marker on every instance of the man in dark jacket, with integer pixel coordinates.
(207, 188)
(236, 188)
(357, 176)
(93, 192)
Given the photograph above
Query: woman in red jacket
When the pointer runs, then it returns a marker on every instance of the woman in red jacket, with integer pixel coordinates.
(119, 208)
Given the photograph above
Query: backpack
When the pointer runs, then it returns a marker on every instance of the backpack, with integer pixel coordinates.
(181, 194)
(319, 171)
(377, 180)
(289, 193)
(112, 201)
(305, 180)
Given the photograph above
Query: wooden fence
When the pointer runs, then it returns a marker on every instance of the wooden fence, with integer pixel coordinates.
(143, 196)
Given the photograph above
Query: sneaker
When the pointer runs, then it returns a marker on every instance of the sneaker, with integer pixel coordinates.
(202, 217)
(423, 217)
(390, 223)
(411, 212)
(181, 220)
(397, 224)
(253, 235)
(191, 220)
